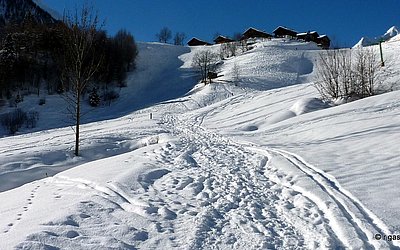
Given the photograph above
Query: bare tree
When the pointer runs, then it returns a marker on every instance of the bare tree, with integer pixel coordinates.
(334, 74)
(368, 69)
(164, 35)
(205, 61)
(232, 46)
(236, 74)
(339, 74)
(80, 61)
(223, 51)
(179, 38)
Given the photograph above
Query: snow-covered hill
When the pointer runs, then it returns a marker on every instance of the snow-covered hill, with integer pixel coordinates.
(261, 165)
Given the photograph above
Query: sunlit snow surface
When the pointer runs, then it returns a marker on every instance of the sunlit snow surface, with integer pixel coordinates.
(261, 165)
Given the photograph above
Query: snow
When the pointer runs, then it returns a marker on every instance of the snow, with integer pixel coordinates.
(390, 34)
(254, 161)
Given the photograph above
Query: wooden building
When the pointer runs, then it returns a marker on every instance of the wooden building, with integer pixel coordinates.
(310, 36)
(254, 33)
(324, 42)
(197, 42)
(222, 39)
(283, 32)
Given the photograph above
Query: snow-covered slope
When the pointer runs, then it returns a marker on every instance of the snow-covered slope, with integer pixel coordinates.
(254, 161)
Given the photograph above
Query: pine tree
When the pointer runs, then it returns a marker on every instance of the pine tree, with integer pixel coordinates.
(94, 98)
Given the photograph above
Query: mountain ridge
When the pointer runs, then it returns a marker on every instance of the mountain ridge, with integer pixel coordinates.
(15, 11)
(389, 34)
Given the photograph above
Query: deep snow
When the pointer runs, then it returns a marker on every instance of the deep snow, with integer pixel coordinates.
(264, 164)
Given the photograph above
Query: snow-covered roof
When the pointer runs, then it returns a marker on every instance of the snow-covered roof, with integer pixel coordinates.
(307, 33)
(198, 41)
(251, 28)
(222, 37)
(323, 36)
(285, 28)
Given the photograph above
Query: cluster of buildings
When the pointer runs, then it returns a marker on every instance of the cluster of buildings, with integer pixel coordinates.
(280, 32)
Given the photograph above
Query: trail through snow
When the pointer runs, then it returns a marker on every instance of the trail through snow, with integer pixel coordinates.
(211, 169)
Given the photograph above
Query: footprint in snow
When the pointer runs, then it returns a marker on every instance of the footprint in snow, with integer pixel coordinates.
(167, 214)
(141, 236)
(72, 234)
(84, 216)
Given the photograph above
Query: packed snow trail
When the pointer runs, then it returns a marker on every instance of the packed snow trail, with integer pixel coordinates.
(241, 207)
(198, 191)
(195, 189)
(349, 220)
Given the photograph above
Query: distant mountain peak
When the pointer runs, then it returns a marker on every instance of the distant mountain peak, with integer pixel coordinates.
(392, 32)
(14, 11)
(55, 14)
(389, 34)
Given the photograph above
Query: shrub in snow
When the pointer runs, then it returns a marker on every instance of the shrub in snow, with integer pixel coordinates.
(13, 121)
(42, 101)
(228, 50)
(205, 61)
(110, 96)
(341, 75)
(31, 119)
(94, 98)
(18, 98)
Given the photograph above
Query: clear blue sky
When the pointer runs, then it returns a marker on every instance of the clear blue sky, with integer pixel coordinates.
(346, 21)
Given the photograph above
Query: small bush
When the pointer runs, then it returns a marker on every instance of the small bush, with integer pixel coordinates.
(31, 119)
(94, 99)
(110, 96)
(42, 101)
(341, 75)
(13, 121)
(19, 98)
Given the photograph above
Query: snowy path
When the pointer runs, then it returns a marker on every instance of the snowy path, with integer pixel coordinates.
(199, 191)
(352, 211)
(351, 222)
(347, 219)
(195, 189)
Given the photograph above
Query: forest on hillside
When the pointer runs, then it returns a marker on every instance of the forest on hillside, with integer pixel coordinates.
(73, 58)
(33, 58)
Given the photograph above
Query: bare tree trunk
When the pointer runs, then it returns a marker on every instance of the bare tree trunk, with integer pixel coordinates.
(78, 121)
(79, 61)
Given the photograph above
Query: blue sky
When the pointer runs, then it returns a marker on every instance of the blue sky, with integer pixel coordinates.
(344, 21)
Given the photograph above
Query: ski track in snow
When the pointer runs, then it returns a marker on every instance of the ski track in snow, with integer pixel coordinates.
(360, 225)
(352, 223)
